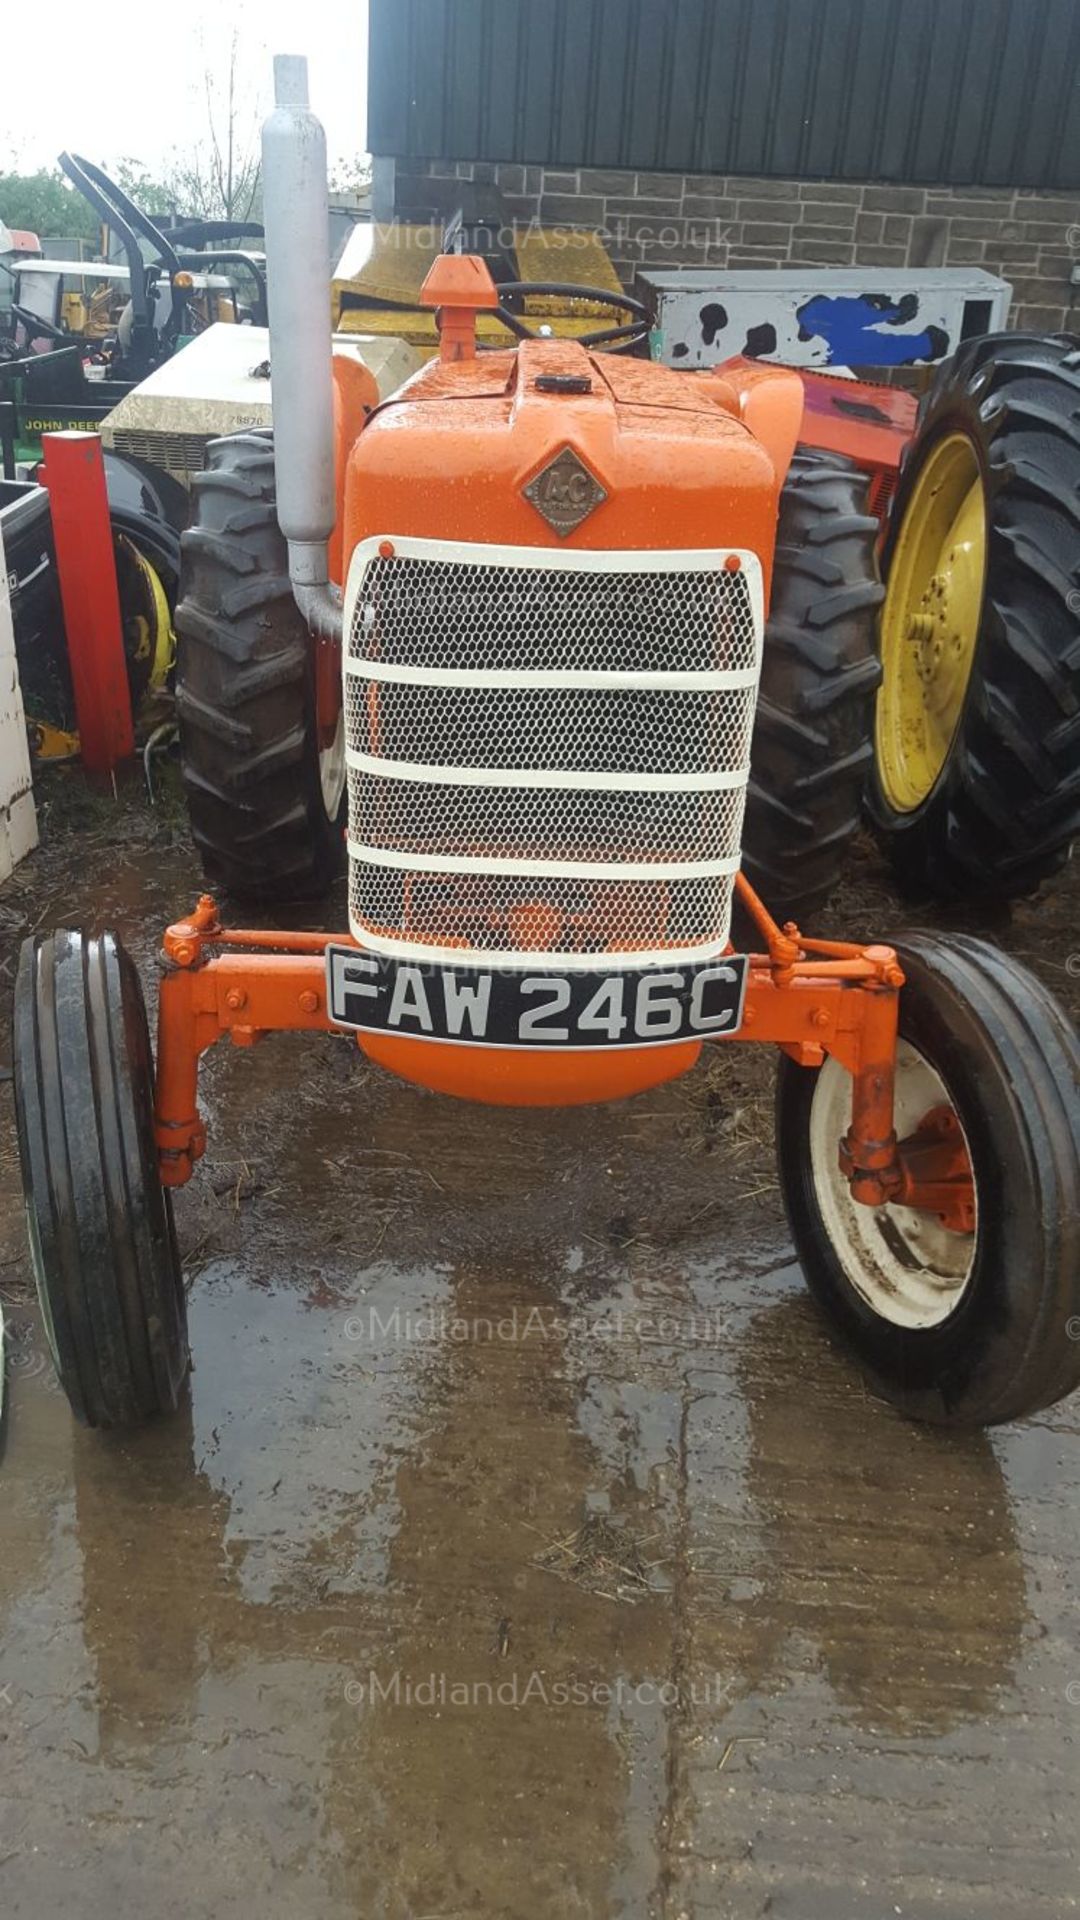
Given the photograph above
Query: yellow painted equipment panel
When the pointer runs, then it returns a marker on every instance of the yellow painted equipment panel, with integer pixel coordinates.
(376, 287)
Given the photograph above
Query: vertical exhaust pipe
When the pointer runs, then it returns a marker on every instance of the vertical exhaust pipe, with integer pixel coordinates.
(298, 294)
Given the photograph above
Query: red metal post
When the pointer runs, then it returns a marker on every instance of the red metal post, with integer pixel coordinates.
(79, 502)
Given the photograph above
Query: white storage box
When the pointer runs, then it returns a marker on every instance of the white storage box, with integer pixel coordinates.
(822, 316)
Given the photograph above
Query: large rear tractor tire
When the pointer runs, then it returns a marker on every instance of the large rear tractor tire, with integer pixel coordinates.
(963, 1328)
(813, 732)
(976, 783)
(266, 795)
(100, 1223)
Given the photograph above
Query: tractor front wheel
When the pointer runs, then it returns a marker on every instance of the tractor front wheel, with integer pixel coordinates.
(100, 1223)
(263, 769)
(962, 1328)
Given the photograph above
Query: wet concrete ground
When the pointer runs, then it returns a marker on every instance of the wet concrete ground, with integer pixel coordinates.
(524, 1550)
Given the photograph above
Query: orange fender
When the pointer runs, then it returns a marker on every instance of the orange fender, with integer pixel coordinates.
(770, 402)
(356, 395)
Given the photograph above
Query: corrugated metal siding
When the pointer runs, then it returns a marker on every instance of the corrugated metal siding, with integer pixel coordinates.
(953, 91)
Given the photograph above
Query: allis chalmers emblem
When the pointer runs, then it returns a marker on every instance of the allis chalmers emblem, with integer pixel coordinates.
(565, 492)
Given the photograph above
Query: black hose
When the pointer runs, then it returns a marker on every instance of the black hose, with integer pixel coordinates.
(601, 296)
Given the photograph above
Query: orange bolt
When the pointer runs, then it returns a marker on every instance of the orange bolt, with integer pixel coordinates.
(183, 954)
(236, 998)
(309, 1002)
(892, 974)
(819, 1017)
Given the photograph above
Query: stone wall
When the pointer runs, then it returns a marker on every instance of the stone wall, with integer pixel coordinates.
(675, 219)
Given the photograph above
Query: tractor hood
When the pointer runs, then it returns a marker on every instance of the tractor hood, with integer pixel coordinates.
(551, 445)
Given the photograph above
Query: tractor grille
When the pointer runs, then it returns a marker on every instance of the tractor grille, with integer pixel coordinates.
(181, 454)
(548, 752)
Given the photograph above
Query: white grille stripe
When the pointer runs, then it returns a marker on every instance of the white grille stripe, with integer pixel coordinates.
(540, 869)
(722, 681)
(374, 763)
(564, 960)
(548, 752)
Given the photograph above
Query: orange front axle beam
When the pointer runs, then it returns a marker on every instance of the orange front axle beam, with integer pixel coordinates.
(810, 997)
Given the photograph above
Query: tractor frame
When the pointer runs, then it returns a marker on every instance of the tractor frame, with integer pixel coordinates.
(809, 997)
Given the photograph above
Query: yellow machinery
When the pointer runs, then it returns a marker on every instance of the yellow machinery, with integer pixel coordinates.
(376, 286)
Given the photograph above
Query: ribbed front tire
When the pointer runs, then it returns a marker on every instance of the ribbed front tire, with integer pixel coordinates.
(100, 1223)
(961, 1329)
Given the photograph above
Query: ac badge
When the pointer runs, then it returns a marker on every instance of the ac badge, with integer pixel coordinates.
(565, 492)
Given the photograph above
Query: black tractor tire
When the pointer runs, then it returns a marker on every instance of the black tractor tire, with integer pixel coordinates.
(1006, 804)
(245, 691)
(100, 1223)
(813, 735)
(1009, 1342)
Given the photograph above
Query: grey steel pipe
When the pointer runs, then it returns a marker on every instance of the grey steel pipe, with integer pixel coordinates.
(298, 295)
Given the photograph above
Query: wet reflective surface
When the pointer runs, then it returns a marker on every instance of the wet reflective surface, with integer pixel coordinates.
(524, 1549)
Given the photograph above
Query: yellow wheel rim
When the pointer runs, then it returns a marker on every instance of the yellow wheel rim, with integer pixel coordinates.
(930, 622)
(157, 641)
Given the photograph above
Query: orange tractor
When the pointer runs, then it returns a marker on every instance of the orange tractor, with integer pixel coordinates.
(506, 633)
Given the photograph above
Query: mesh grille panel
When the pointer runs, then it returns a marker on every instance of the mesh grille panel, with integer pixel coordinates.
(579, 729)
(489, 913)
(479, 618)
(548, 823)
(622, 774)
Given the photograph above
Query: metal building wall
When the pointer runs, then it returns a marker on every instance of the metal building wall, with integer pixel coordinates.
(982, 92)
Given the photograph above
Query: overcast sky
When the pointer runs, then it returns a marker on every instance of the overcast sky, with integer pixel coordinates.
(128, 78)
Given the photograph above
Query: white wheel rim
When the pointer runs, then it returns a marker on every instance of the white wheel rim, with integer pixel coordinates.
(910, 1269)
(332, 770)
(37, 1262)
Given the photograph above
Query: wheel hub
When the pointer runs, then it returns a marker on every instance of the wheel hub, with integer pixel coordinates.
(936, 1170)
(912, 1257)
(930, 622)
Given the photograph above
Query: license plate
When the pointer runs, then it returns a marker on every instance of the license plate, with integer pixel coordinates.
(505, 1007)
